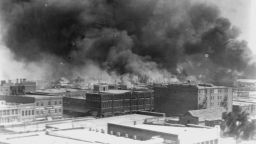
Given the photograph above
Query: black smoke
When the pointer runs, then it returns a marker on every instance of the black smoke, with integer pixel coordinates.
(146, 38)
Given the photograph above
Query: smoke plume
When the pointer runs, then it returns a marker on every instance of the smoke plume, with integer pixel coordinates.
(147, 40)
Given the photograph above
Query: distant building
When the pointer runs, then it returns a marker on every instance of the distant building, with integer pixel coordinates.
(248, 106)
(177, 99)
(207, 117)
(170, 134)
(245, 84)
(5, 88)
(110, 102)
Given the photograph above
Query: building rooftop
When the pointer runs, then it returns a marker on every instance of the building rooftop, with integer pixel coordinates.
(245, 99)
(198, 85)
(246, 80)
(58, 90)
(102, 122)
(42, 96)
(208, 114)
(241, 103)
(75, 136)
(116, 91)
(185, 134)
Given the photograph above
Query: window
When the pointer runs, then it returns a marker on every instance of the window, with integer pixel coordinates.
(37, 104)
(22, 113)
(32, 112)
(55, 110)
(42, 104)
(60, 102)
(26, 112)
(49, 102)
(55, 102)
(60, 110)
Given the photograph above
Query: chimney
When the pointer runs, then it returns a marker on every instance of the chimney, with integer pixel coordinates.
(24, 80)
(21, 80)
(17, 81)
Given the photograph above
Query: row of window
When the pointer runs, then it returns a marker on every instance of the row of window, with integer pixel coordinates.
(49, 103)
(215, 141)
(27, 112)
(8, 119)
(50, 111)
(213, 91)
(8, 112)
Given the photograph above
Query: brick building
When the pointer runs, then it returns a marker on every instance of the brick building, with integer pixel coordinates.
(177, 99)
(111, 102)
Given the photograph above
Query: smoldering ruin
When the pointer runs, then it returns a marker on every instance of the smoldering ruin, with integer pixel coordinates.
(152, 40)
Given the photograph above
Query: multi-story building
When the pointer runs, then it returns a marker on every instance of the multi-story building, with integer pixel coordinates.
(111, 102)
(26, 112)
(42, 107)
(177, 99)
(22, 87)
(47, 107)
(5, 88)
(8, 113)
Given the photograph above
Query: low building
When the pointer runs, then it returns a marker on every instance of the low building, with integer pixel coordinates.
(207, 117)
(170, 134)
(112, 102)
(177, 99)
(246, 106)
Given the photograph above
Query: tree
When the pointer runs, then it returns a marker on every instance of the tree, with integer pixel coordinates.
(238, 125)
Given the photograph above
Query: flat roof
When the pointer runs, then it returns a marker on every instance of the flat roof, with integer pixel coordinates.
(37, 138)
(42, 96)
(243, 103)
(74, 136)
(245, 99)
(58, 90)
(116, 91)
(97, 137)
(247, 80)
(102, 122)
